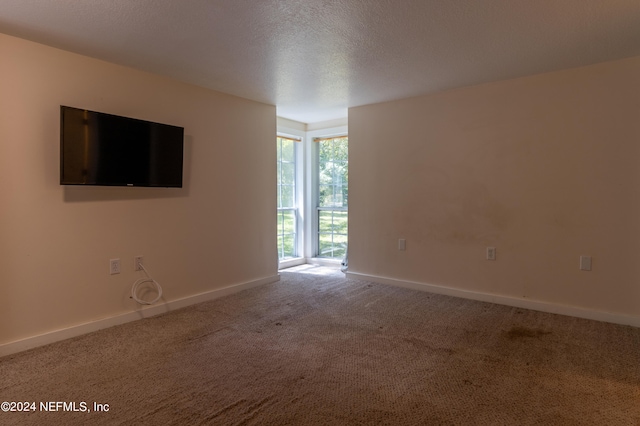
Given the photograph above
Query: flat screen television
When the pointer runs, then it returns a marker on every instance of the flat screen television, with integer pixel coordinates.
(104, 149)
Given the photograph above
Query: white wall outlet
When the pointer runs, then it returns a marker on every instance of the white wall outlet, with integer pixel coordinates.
(585, 263)
(491, 253)
(402, 244)
(114, 266)
(137, 263)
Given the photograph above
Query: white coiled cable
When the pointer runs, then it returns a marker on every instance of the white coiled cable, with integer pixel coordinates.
(148, 279)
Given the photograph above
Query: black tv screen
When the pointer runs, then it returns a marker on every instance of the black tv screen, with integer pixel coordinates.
(104, 149)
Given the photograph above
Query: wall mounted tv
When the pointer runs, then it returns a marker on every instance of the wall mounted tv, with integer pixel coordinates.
(104, 149)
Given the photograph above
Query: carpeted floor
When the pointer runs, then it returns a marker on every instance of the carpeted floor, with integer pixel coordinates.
(319, 349)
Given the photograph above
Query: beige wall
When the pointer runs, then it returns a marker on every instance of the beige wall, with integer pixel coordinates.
(56, 241)
(545, 168)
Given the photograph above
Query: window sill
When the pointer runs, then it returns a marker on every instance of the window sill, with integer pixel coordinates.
(294, 261)
(325, 261)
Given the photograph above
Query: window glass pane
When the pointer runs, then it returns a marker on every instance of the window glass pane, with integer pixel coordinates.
(340, 223)
(288, 222)
(286, 233)
(343, 195)
(324, 151)
(341, 169)
(286, 181)
(337, 197)
(341, 149)
(344, 188)
(288, 173)
(325, 225)
(288, 246)
(288, 150)
(325, 195)
(279, 172)
(333, 192)
(280, 222)
(339, 241)
(339, 250)
(325, 246)
(279, 198)
(286, 196)
(326, 173)
(279, 149)
(280, 247)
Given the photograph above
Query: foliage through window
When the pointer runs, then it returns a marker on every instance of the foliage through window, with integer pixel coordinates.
(333, 196)
(287, 205)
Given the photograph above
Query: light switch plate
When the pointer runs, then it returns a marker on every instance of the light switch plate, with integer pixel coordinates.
(491, 253)
(585, 263)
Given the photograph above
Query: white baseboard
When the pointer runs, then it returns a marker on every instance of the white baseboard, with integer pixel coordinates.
(535, 305)
(144, 312)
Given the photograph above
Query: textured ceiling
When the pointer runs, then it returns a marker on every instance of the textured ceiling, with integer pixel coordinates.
(315, 58)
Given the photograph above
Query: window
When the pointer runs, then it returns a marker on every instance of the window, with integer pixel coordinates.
(333, 196)
(312, 192)
(287, 202)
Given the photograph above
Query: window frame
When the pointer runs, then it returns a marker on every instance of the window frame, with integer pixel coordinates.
(333, 209)
(307, 185)
(299, 198)
(312, 225)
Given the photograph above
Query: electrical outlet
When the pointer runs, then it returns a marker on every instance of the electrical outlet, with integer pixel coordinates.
(137, 263)
(402, 244)
(114, 266)
(491, 253)
(585, 263)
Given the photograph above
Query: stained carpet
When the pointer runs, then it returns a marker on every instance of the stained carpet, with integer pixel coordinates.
(319, 349)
